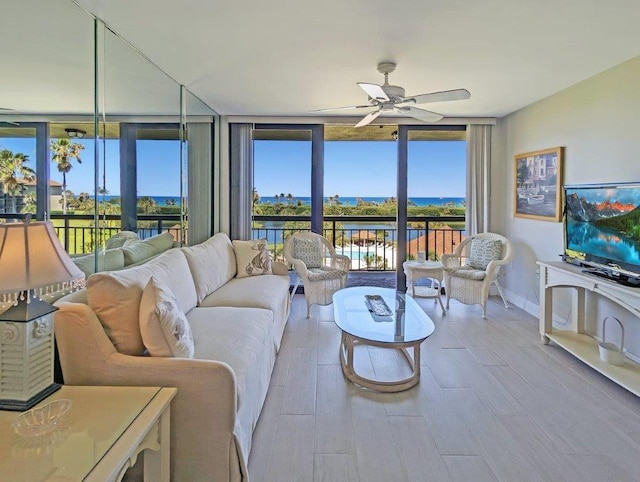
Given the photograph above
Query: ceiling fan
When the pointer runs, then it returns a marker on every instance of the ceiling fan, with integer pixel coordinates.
(391, 98)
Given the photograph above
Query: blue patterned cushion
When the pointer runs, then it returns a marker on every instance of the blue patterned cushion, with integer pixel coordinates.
(467, 272)
(309, 251)
(483, 251)
(324, 273)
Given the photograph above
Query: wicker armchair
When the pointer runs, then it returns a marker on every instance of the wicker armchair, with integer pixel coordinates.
(321, 270)
(465, 278)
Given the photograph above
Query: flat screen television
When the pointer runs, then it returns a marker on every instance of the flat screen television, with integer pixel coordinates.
(602, 230)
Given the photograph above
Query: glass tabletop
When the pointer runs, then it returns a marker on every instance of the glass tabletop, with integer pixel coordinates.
(407, 322)
(97, 418)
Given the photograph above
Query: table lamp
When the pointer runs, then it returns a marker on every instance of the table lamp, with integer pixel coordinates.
(33, 264)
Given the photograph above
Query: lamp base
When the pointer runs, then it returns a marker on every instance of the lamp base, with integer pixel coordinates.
(24, 312)
(22, 405)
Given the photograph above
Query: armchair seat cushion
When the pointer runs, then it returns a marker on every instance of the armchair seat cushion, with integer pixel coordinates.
(467, 272)
(323, 273)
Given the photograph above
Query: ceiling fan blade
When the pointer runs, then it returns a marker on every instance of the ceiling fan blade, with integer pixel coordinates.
(5, 108)
(343, 108)
(420, 114)
(374, 91)
(369, 118)
(444, 96)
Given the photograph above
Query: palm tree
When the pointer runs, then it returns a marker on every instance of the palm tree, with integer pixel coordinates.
(290, 198)
(148, 205)
(12, 171)
(64, 151)
(29, 203)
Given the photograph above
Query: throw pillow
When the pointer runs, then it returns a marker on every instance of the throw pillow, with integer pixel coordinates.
(309, 251)
(252, 257)
(136, 252)
(119, 239)
(483, 251)
(164, 327)
(160, 242)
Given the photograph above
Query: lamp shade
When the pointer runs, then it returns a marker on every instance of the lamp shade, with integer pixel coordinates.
(33, 260)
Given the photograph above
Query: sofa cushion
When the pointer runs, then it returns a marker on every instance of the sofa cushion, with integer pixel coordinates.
(164, 328)
(108, 260)
(160, 242)
(483, 251)
(136, 252)
(236, 336)
(269, 292)
(115, 296)
(212, 264)
(252, 292)
(252, 257)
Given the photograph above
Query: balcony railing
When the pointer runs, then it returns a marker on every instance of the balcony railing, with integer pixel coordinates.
(78, 234)
(370, 241)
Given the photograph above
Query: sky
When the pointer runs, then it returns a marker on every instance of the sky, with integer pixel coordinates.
(158, 166)
(361, 168)
(352, 168)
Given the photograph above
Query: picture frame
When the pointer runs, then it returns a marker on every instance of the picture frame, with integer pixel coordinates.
(538, 184)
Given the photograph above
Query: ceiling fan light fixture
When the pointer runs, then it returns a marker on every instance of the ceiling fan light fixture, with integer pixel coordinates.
(75, 133)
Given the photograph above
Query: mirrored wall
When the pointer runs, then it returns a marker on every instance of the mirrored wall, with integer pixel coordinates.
(94, 137)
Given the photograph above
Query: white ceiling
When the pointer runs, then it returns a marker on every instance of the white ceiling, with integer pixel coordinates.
(289, 57)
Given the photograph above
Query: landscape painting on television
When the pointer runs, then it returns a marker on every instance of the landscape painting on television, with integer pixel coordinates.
(603, 224)
(538, 177)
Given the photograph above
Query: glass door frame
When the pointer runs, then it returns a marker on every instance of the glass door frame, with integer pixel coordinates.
(317, 167)
(402, 192)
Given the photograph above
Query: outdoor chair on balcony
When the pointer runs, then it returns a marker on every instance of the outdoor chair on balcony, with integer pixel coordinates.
(474, 266)
(321, 270)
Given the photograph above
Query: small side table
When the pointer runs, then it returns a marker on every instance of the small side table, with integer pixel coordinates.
(434, 270)
(97, 440)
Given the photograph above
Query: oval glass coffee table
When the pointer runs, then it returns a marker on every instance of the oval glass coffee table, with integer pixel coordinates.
(405, 326)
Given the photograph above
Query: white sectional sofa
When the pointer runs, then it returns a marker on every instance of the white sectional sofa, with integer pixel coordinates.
(237, 325)
(115, 257)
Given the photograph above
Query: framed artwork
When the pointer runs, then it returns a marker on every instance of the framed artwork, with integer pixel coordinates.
(538, 184)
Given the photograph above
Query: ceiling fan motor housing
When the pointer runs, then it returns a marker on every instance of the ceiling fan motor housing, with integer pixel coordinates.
(394, 92)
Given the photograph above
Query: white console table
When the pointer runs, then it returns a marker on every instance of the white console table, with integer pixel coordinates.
(555, 274)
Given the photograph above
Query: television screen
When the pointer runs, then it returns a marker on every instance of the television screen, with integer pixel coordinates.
(602, 225)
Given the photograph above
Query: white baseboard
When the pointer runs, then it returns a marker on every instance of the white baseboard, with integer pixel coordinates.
(530, 307)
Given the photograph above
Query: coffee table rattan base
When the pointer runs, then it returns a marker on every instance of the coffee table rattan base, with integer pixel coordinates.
(346, 361)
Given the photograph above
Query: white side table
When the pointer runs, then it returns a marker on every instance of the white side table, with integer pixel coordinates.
(97, 440)
(434, 270)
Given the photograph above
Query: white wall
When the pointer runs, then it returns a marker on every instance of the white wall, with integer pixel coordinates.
(598, 123)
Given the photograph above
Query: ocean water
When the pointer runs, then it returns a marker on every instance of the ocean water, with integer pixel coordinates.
(352, 201)
(160, 200)
(345, 201)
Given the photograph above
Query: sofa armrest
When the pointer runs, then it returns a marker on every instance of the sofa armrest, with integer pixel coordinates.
(451, 260)
(279, 268)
